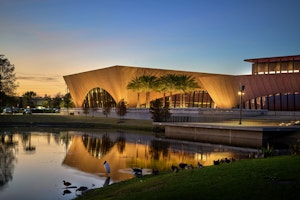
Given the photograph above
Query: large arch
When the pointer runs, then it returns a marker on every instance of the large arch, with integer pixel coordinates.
(115, 80)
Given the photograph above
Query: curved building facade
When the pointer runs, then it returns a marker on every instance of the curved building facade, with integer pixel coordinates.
(274, 85)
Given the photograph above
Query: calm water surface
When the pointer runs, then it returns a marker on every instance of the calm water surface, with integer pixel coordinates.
(34, 164)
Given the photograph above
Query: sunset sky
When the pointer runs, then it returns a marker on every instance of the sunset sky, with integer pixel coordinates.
(47, 39)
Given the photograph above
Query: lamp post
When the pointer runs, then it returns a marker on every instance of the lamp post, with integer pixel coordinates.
(241, 93)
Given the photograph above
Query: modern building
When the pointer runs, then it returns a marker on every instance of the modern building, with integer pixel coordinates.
(273, 85)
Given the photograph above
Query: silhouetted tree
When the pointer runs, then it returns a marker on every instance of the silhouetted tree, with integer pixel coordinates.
(159, 113)
(67, 102)
(27, 98)
(121, 109)
(106, 108)
(7, 81)
(7, 76)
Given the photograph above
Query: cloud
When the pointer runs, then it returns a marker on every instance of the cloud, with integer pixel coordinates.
(39, 78)
(34, 78)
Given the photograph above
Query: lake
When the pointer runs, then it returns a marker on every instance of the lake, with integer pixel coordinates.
(34, 164)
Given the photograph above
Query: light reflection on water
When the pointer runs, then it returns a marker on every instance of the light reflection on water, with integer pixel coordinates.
(33, 165)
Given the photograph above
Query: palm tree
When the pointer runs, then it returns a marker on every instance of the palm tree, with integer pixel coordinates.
(145, 83)
(168, 83)
(136, 86)
(185, 83)
(149, 83)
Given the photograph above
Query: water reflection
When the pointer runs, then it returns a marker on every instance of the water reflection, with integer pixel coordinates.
(123, 152)
(40, 161)
(27, 139)
(7, 158)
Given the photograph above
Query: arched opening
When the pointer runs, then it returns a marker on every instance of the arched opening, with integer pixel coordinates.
(98, 98)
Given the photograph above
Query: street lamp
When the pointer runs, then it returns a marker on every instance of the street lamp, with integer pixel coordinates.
(241, 93)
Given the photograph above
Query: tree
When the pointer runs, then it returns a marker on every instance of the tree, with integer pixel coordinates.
(27, 98)
(145, 83)
(7, 76)
(56, 101)
(67, 101)
(169, 83)
(136, 86)
(7, 81)
(121, 109)
(106, 108)
(159, 113)
(185, 83)
(149, 83)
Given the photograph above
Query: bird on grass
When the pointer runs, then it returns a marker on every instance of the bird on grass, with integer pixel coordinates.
(199, 165)
(189, 167)
(174, 168)
(216, 162)
(183, 165)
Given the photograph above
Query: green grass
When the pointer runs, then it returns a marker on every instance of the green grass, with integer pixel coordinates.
(270, 178)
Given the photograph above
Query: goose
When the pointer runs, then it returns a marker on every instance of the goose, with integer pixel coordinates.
(216, 162)
(66, 183)
(199, 165)
(137, 171)
(174, 168)
(189, 167)
(182, 165)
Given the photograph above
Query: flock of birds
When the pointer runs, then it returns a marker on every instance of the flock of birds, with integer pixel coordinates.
(184, 166)
(138, 172)
(223, 160)
(79, 190)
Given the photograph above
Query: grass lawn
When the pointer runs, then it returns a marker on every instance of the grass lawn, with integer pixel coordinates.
(267, 178)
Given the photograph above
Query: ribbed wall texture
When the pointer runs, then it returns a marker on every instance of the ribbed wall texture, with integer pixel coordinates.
(223, 89)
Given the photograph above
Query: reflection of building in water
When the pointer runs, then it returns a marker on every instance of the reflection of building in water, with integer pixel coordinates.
(148, 155)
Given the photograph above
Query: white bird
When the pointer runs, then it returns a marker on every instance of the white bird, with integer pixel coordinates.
(107, 167)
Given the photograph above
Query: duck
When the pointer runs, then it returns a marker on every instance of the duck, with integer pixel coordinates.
(174, 168)
(66, 183)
